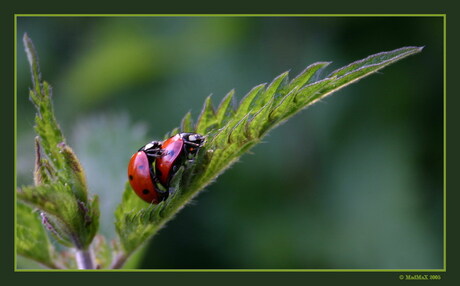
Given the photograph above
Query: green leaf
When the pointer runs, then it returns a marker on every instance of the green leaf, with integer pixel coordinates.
(29, 234)
(75, 176)
(225, 111)
(32, 57)
(378, 61)
(60, 191)
(231, 133)
(71, 222)
(284, 106)
(274, 91)
(53, 201)
(44, 172)
(103, 252)
(207, 119)
(307, 74)
(246, 104)
(187, 123)
(135, 220)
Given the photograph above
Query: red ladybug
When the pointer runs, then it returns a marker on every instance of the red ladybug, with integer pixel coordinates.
(142, 176)
(175, 151)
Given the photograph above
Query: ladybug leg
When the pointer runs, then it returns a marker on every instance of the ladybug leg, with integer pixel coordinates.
(199, 143)
(189, 154)
(193, 144)
(155, 179)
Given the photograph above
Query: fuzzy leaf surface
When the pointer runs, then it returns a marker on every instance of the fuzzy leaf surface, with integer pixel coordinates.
(60, 190)
(31, 233)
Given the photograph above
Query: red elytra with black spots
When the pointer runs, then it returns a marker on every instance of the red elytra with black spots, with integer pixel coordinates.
(140, 178)
(166, 157)
(175, 151)
(170, 161)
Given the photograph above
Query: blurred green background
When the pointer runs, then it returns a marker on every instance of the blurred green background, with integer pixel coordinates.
(355, 181)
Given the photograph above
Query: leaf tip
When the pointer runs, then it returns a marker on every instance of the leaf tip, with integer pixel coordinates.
(32, 58)
(26, 39)
(414, 49)
(28, 45)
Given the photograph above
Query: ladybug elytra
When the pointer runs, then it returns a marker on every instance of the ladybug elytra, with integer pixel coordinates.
(176, 150)
(151, 169)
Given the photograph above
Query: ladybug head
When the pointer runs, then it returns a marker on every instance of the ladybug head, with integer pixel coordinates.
(193, 141)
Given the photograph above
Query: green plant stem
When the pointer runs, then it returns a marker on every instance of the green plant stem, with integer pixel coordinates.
(85, 259)
(119, 261)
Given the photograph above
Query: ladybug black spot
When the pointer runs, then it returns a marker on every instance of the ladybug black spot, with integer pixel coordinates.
(130, 177)
(145, 191)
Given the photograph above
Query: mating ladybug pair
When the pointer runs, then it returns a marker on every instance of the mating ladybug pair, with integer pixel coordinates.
(151, 169)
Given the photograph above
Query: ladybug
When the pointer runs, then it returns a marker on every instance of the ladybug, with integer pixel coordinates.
(175, 151)
(141, 175)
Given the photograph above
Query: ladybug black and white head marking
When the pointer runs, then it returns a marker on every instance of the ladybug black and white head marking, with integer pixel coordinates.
(192, 142)
(152, 149)
(193, 139)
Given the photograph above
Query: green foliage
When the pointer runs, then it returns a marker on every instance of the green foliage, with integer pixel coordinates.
(133, 223)
(103, 255)
(32, 240)
(230, 133)
(60, 191)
